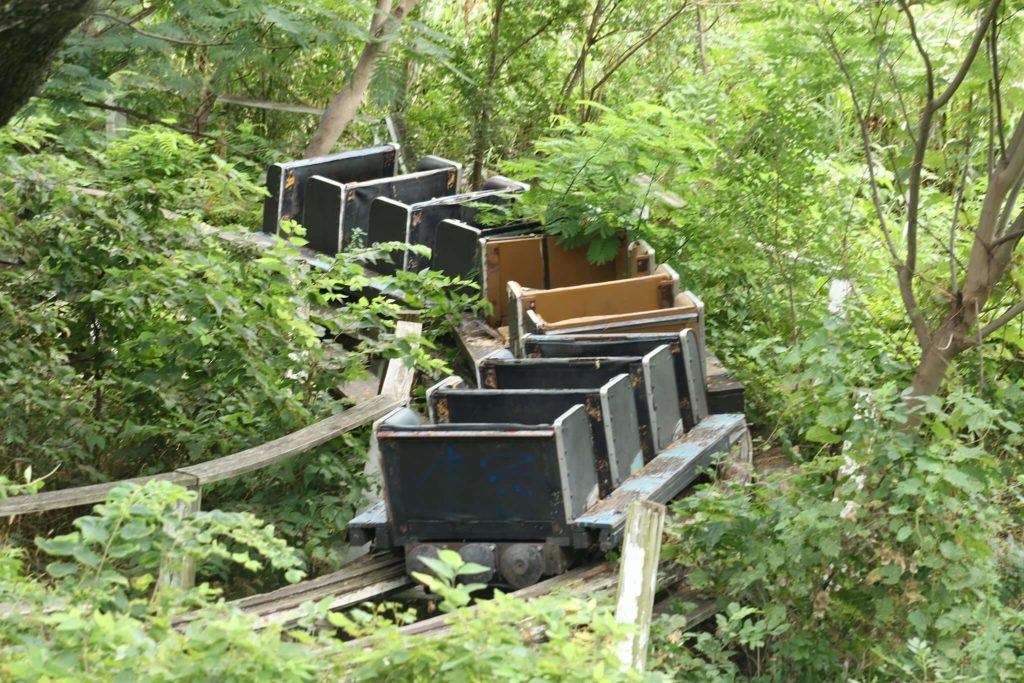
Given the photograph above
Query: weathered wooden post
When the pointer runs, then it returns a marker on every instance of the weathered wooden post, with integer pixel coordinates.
(638, 575)
(172, 573)
(399, 377)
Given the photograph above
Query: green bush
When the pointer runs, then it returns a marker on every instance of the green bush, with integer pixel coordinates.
(109, 613)
(895, 557)
(134, 343)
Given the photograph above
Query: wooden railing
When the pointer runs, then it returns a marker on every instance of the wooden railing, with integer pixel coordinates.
(227, 467)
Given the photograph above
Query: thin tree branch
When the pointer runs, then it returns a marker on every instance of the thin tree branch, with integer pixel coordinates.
(631, 50)
(141, 115)
(575, 74)
(127, 23)
(866, 144)
(904, 279)
(996, 81)
(954, 283)
(929, 72)
(1016, 234)
(972, 52)
(1007, 315)
(526, 41)
(138, 16)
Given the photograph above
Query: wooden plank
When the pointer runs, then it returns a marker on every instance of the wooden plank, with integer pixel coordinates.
(664, 477)
(294, 443)
(584, 580)
(477, 339)
(215, 470)
(82, 495)
(638, 575)
(369, 577)
(292, 595)
(399, 377)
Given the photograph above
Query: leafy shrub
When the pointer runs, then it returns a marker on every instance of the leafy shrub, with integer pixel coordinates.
(106, 614)
(551, 638)
(898, 556)
(134, 343)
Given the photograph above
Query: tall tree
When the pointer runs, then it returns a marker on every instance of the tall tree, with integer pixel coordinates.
(999, 227)
(342, 109)
(30, 33)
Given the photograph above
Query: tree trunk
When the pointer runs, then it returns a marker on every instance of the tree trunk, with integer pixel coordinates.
(342, 109)
(931, 370)
(481, 136)
(30, 33)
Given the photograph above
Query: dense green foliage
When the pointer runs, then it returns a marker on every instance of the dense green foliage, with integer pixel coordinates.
(108, 613)
(770, 152)
(134, 344)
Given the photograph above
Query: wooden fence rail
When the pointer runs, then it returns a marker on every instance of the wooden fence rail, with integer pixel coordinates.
(394, 393)
(227, 467)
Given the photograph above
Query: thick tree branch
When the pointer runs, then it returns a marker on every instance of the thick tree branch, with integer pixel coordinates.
(30, 33)
(344, 105)
(1009, 237)
(997, 82)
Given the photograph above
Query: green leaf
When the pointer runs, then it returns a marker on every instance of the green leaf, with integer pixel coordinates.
(940, 430)
(471, 568)
(61, 569)
(135, 530)
(820, 434)
(86, 556)
(92, 529)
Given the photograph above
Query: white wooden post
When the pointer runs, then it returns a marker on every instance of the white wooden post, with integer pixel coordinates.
(638, 576)
(181, 575)
(116, 123)
(399, 377)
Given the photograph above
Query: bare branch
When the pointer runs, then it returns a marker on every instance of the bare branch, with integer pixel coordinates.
(128, 23)
(526, 41)
(140, 115)
(904, 274)
(972, 52)
(866, 143)
(996, 84)
(138, 16)
(954, 283)
(1015, 235)
(1007, 315)
(930, 73)
(631, 50)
